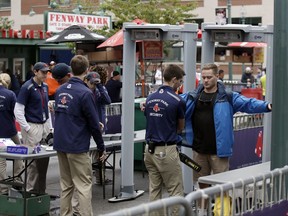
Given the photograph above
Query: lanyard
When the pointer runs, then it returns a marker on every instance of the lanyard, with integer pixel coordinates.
(42, 97)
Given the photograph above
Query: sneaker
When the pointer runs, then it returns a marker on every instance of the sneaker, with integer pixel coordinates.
(107, 182)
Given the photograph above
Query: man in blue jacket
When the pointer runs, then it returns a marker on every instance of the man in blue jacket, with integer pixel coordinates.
(209, 122)
(76, 119)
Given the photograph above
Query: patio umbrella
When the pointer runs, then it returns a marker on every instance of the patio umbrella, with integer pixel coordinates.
(117, 39)
(75, 33)
(247, 44)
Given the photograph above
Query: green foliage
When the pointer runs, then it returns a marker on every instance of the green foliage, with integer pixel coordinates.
(5, 23)
(152, 11)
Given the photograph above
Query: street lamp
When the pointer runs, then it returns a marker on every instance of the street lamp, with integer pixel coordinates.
(243, 14)
(53, 5)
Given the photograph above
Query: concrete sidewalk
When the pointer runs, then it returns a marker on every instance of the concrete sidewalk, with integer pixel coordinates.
(100, 206)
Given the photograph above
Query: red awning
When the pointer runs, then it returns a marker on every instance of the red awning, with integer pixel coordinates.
(117, 39)
(247, 44)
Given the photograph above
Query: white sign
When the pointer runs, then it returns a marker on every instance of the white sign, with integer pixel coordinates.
(57, 22)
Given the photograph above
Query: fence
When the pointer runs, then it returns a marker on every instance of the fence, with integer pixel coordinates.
(264, 195)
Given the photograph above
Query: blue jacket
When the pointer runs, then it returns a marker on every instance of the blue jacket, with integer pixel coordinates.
(224, 109)
(76, 118)
(7, 104)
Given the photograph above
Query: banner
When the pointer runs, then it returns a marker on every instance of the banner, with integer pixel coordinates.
(57, 22)
(220, 16)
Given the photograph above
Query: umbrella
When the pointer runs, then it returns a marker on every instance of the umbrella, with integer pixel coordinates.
(117, 39)
(247, 44)
(75, 33)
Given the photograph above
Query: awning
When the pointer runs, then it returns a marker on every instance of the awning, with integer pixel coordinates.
(247, 44)
(27, 42)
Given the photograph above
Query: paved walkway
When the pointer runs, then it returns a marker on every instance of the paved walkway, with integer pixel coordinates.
(100, 206)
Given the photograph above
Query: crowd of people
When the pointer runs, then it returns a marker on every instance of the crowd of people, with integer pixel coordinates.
(81, 93)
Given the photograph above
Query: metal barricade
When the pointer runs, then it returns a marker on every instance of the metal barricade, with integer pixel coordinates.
(244, 121)
(250, 195)
(260, 194)
(113, 109)
(165, 204)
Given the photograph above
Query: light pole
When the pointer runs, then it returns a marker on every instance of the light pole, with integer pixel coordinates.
(242, 14)
(229, 22)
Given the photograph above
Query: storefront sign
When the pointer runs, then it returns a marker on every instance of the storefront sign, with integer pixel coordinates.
(153, 49)
(57, 22)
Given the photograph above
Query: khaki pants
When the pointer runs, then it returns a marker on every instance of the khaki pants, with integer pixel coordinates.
(75, 176)
(37, 171)
(17, 167)
(164, 169)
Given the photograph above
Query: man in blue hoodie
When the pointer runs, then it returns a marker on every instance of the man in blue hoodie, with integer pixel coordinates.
(76, 119)
(209, 122)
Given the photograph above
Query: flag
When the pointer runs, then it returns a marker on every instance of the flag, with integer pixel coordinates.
(259, 144)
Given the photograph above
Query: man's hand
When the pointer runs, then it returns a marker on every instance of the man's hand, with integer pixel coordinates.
(103, 156)
(142, 106)
(101, 125)
(269, 106)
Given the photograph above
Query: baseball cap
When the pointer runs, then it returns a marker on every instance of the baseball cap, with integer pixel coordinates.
(41, 66)
(115, 73)
(93, 77)
(60, 70)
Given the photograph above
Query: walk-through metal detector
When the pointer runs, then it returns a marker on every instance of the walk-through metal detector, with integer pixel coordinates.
(147, 32)
(212, 33)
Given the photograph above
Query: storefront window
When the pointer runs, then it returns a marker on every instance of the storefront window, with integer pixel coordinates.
(5, 3)
(3, 64)
(61, 2)
(19, 68)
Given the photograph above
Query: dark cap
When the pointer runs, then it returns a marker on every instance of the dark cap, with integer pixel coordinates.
(60, 70)
(41, 66)
(93, 77)
(115, 73)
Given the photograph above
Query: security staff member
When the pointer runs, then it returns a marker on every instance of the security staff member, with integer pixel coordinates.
(75, 106)
(164, 111)
(31, 112)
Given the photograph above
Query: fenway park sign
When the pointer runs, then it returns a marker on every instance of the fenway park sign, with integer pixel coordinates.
(57, 22)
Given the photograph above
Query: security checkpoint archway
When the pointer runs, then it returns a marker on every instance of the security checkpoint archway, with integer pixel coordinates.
(212, 33)
(148, 32)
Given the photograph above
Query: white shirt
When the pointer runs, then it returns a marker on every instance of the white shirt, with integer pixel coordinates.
(158, 77)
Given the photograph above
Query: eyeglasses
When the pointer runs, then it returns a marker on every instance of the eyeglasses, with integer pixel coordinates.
(206, 100)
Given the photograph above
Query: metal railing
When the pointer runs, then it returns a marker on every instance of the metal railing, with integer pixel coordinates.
(247, 195)
(252, 194)
(165, 205)
(244, 121)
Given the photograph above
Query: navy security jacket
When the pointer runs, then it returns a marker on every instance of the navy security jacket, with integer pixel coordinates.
(76, 118)
(7, 104)
(224, 109)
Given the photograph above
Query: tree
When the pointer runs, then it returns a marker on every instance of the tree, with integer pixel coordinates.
(152, 11)
(5, 23)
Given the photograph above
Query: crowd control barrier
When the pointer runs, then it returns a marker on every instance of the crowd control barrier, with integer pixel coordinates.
(164, 204)
(248, 140)
(264, 194)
